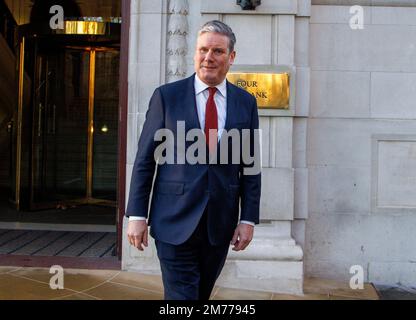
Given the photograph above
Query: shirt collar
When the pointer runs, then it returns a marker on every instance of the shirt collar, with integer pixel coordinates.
(201, 86)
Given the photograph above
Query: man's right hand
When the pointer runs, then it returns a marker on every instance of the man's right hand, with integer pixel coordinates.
(137, 233)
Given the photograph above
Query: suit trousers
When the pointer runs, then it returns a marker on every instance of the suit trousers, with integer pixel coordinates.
(189, 270)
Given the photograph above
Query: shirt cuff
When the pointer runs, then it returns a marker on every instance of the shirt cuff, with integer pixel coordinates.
(136, 218)
(248, 222)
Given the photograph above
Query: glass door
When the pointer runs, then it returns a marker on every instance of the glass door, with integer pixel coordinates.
(60, 124)
(105, 116)
(74, 145)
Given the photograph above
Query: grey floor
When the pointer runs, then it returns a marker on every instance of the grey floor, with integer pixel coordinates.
(398, 292)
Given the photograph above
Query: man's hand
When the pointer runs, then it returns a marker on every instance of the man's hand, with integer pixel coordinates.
(242, 236)
(137, 233)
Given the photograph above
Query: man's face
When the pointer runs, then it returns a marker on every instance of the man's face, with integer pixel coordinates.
(212, 58)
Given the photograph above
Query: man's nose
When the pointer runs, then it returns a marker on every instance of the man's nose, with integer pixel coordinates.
(209, 55)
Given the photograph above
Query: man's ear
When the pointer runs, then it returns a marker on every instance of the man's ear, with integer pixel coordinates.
(232, 57)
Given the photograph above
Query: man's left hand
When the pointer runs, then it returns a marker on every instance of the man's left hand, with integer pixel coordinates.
(242, 236)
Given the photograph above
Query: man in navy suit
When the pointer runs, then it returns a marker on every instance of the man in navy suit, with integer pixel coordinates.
(194, 210)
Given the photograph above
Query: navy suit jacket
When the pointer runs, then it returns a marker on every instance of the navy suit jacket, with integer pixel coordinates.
(181, 192)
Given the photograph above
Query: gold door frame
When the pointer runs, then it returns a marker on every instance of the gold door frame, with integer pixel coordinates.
(19, 121)
(90, 144)
(90, 141)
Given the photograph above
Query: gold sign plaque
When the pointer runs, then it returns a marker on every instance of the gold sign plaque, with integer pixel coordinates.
(270, 89)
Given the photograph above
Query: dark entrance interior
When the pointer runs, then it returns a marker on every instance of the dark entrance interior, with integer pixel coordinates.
(74, 145)
(59, 112)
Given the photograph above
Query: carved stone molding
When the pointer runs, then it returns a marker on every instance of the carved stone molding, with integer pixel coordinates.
(177, 47)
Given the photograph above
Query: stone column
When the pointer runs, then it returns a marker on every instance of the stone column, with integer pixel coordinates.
(147, 71)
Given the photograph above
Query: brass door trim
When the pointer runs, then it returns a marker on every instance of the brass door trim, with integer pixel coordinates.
(19, 120)
(90, 145)
(95, 48)
(73, 202)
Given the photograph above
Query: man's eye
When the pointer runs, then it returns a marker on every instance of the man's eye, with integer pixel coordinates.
(203, 50)
(218, 52)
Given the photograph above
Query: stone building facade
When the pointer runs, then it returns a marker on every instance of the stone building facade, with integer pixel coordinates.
(339, 165)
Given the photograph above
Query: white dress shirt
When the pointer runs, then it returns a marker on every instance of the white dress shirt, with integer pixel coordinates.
(220, 98)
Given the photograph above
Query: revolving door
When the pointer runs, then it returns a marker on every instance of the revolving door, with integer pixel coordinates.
(68, 134)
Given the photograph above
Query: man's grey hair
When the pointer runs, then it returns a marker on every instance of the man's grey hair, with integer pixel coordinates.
(221, 28)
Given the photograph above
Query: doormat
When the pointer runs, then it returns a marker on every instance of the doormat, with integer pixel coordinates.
(58, 243)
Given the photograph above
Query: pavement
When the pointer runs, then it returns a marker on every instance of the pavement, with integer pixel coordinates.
(29, 283)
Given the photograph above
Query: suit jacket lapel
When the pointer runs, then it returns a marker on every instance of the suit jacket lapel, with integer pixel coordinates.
(231, 111)
(191, 113)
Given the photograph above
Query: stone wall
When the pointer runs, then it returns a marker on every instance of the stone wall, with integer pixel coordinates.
(362, 144)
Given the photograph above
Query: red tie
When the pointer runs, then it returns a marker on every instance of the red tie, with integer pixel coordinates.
(211, 120)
